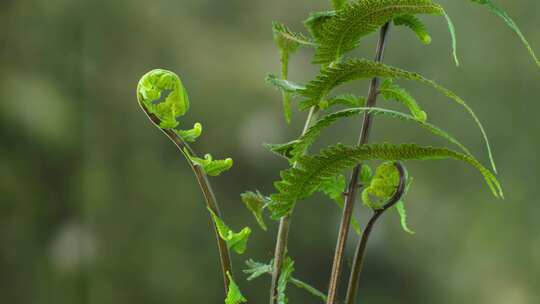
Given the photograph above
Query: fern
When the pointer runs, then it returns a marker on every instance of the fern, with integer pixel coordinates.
(257, 269)
(236, 241)
(416, 25)
(234, 296)
(452, 30)
(510, 22)
(284, 85)
(296, 148)
(256, 202)
(286, 272)
(210, 166)
(299, 183)
(316, 21)
(349, 100)
(341, 33)
(150, 90)
(331, 77)
(190, 135)
(391, 91)
(338, 4)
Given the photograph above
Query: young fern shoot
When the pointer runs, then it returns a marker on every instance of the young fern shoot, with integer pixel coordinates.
(333, 34)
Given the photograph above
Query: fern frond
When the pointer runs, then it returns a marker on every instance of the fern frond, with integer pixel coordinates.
(349, 100)
(402, 212)
(510, 22)
(315, 22)
(342, 33)
(210, 166)
(284, 85)
(234, 296)
(255, 202)
(416, 25)
(296, 148)
(390, 91)
(150, 89)
(190, 135)
(298, 183)
(452, 30)
(331, 77)
(287, 39)
(236, 241)
(286, 272)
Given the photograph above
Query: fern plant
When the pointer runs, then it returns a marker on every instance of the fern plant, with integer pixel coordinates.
(332, 35)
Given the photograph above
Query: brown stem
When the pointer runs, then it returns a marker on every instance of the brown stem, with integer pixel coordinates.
(352, 188)
(206, 190)
(361, 248)
(283, 232)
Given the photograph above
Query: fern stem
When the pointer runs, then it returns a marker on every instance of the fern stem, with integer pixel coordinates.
(206, 189)
(284, 227)
(358, 262)
(352, 188)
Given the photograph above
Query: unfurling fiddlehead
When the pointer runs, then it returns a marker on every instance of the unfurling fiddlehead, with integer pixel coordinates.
(164, 99)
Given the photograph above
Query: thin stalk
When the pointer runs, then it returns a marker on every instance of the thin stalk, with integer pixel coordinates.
(359, 256)
(283, 232)
(352, 188)
(206, 189)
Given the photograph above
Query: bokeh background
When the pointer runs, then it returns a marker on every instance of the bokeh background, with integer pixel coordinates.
(96, 206)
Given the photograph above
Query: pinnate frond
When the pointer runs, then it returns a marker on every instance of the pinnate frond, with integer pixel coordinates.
(359, 18)
(331, 77)
(299, 183)
(416, 25)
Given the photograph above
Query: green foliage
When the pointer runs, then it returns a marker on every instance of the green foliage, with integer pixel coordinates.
(349, 100)
(257, 269)
(150, 90)
(286, 272)
(295, 149)
(416, 25)
(234, 296)
(190, 135)
(298, 183)
(400, 207)
(382, 187)
(357, 19)
(315, 22)
(390, 91)
(284, 85)
(510, 22)
(331, 77)
(236, 241)
(288, 43)
(333, 188)
(256, 203)
(452, 30)
(210, 166)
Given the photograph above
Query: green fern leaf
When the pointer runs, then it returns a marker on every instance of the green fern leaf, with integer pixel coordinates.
(331, 77)
(452, 30)
(382, 186)
(236, 241)
(190, 135)
(150, 89)
(283, 150)
(284, 85)
(391, 91)
(315, 22)
(255, 202)
(296, 148)
(210, 166)
(342, 33)
(416, 25)
(349, 100)
(400, 207)
(234, 296)
(288, 43)
(510, 22)
(286, 272)
(299, 183)
(257, 269)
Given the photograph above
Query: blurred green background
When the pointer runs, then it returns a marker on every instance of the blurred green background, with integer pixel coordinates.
(96, 206)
